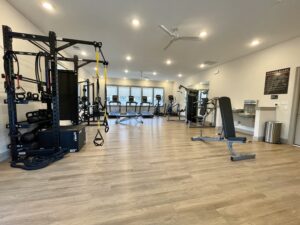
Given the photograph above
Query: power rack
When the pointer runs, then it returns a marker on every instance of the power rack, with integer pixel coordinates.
(51, 47)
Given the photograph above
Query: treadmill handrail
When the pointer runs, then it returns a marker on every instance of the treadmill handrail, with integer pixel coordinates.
(118, 104)
(148, 103)
(129, 104)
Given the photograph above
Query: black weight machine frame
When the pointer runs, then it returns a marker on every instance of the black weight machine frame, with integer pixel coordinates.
(18, 154)
(195, 111)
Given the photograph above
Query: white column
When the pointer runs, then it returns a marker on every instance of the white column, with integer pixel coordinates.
(262, 115)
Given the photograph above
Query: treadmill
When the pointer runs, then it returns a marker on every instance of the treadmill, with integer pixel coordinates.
(146, 113)
(131, 113)
(116, 104)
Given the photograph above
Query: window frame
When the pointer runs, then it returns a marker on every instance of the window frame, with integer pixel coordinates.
(112, 86)
(141, 87)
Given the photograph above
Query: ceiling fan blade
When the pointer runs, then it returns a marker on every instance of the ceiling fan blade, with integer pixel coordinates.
(166, 30)
(190, 38)
(170, 43)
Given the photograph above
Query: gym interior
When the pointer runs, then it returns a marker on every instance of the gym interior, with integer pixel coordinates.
(150, 112)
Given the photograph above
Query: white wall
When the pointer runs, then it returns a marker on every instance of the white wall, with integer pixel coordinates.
(244, 78)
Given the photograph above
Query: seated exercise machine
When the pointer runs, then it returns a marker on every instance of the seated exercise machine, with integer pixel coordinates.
(228, 134)
(206, 107)
(147, 113)
(116, 104)
(198, 108)
(158, 106)
(130, 114)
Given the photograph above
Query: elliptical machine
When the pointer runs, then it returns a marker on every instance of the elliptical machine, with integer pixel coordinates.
(157, 107)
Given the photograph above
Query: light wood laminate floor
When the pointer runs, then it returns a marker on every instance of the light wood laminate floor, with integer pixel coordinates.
(152, 174)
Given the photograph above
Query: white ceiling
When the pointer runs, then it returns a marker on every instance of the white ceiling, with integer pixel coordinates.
(231, 25)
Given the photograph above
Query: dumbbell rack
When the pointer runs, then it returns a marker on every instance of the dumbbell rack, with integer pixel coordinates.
(52, 55)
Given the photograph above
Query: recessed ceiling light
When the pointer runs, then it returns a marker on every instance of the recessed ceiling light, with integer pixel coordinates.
(83, 53)
(202, 65)
(180, 75)
(169, 62)
(48, 6)
(203, 34)
(135, 23)
(126, 71)
(154, 73)
(255, 43)
(128, 58)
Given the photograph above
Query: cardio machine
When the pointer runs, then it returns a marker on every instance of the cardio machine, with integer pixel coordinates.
(116, 104)
(170, 112)
(131, 112)
(158, 106)
(145, 113)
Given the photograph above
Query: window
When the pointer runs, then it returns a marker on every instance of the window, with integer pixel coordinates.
(111, 90)
(136, 92)
(149, 93)
(159, 91)
(123, 94)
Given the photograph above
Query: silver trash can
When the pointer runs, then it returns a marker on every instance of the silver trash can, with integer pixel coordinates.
(272, 132)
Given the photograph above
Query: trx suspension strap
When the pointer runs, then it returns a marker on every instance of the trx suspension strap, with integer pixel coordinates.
(99, 140)
(104, 108)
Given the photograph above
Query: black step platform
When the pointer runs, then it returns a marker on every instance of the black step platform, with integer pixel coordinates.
(71, 137)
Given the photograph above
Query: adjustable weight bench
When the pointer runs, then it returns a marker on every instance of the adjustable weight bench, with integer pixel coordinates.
(228, 135)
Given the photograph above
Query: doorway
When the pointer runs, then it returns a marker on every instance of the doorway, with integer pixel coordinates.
(297, 131)
(294, 131)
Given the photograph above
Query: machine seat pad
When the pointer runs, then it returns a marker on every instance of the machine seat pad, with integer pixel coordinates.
(237, 139)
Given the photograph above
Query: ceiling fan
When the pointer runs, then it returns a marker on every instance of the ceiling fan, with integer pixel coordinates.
(173, 33)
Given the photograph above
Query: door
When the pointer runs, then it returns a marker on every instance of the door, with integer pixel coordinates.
(297, 133)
